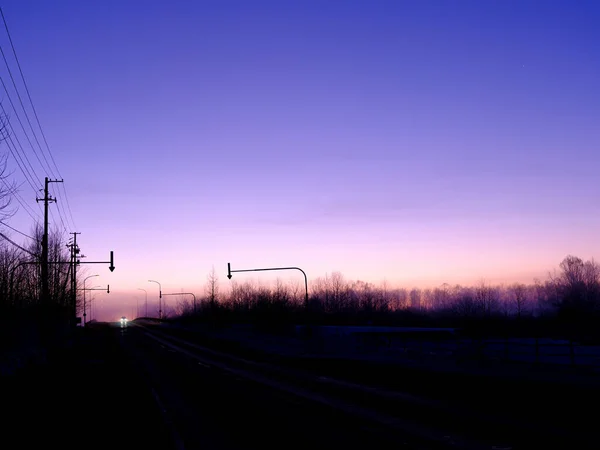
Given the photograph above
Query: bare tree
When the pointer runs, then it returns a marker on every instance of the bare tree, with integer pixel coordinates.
(339, 292)
(212, 286)
(519, 292)
(382, 299)
(486, 298)
(426, 299)
(296, 292)
(7, 190)
(464, 304)
(578, 285)
(281, 293)
(415, 299)
(183, 306)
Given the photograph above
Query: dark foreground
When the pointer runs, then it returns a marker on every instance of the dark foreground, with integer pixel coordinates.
(143, 387)
(87, 396)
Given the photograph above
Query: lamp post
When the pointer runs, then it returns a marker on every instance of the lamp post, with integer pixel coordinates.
(159, 297)
(229, 272)
(95, 288)
(140, 289)
(92, 300)
(84, 311)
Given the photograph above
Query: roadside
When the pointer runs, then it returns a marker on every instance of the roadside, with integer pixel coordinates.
(333, 350)
(88, 392)
(557, 403)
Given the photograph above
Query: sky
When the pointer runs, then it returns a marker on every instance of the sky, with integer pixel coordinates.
(416, 142)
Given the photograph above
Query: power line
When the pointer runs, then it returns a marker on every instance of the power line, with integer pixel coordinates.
(62, 185)
(17, 245)
(36, 116)
(59, 216)
(22, 202)
(25, 112)
(10, 149)
(59, 206)
(28, 140)
(20, 122)
(28, 94)
(20, 232)
(9, 135)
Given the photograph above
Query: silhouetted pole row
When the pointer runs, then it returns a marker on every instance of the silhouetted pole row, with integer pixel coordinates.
(111, 267)
(229, 272)
(186, 293)
(159, 297)
(91, 298)
(95, 288)
(84, 305)
(74, 261)
(140, 289)
(45, 294)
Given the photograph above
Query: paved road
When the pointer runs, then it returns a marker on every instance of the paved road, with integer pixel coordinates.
(88, 395)
(136, 387)
(272, 406)
(214, 409)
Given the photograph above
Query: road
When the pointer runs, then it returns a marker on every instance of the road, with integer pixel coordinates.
(220, 401)
(141, 386)
(214, 405)
(87, 395)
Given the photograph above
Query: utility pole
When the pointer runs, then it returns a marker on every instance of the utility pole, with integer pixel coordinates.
(74, 253)
(45, 297)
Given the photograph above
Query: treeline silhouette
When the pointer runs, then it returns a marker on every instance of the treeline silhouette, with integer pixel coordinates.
(567, 303)
(22, 311)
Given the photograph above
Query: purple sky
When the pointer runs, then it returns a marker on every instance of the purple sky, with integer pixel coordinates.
(417, 142)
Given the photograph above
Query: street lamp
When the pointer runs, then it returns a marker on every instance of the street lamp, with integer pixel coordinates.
(84, 312)
(159, 297)
(92, 300)
(140, 289)
(229, 272)
(95, 288)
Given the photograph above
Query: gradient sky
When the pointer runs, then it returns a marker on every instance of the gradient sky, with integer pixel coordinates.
(419, 142)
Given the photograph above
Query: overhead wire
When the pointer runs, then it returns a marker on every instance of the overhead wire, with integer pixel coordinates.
(17, 231)
(28, 209)
(28, 177)
(17, 245)
(31, 180)
(60, 216)
(36, 116)
(23, 167)
(9, 136)
(60, 207)
(20, 122)
(25, 112)
(28, 93)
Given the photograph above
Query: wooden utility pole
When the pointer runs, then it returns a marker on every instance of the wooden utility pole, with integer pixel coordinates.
(74, 253)
(45, 295)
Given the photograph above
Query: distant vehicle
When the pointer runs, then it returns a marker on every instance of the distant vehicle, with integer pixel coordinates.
(123, 321)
